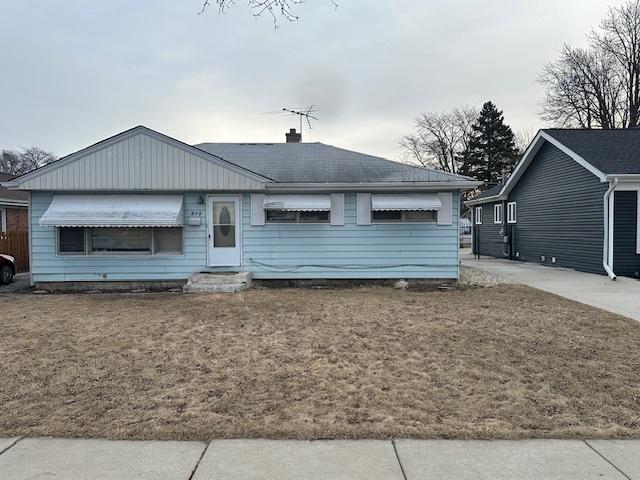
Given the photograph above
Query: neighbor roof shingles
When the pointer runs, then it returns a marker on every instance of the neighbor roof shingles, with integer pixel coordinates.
(610, 151)
(11, 194)
(320, 163)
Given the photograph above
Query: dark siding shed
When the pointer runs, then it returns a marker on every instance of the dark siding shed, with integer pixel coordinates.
(626, 262)
(559, 213)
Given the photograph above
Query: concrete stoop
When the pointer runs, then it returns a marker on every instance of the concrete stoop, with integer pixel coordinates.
(210, 282)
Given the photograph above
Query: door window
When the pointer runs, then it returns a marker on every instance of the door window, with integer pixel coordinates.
(224, 224)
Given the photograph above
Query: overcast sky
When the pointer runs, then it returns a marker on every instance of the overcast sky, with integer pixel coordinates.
(75, 72)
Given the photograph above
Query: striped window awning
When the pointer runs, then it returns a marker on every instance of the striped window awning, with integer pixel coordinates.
(298, 203)
(115, 211)
(411, 201)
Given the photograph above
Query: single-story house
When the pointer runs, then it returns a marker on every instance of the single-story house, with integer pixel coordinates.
(13, 208)
(143, 206)
(572, 201)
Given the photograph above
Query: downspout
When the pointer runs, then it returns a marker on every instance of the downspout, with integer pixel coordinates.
(605, 250)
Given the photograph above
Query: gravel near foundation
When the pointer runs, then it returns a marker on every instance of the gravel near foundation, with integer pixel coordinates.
(474, 277)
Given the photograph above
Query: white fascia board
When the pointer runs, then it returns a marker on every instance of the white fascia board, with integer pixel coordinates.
(8, 202)
(373, 186)
(528, 156)
(575, 156)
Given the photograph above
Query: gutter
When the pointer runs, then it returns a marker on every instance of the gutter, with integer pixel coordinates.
(369, 186)
(607, 231)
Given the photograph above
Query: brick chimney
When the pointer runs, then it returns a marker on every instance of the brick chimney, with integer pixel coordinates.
(293, 136)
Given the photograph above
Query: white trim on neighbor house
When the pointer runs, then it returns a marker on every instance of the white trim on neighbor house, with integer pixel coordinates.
(478, 216)
(497, 213)
(626, 183)
(526, 159)
(10, 202)
(512, 214)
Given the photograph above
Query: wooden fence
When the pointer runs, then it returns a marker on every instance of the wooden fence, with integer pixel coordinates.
(16, 244)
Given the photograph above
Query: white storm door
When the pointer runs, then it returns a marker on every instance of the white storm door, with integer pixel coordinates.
(223, 245)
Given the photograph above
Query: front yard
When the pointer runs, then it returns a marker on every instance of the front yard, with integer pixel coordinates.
(500, 362)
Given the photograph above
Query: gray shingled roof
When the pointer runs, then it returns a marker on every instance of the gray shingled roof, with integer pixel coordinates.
(610, 151)
(320, 163)
(11, 194)
(489, 193)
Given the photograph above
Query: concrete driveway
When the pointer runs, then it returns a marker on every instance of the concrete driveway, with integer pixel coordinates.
(20, 282)
(621, 296)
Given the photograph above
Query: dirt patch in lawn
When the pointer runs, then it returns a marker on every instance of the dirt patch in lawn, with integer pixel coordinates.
(501, 362)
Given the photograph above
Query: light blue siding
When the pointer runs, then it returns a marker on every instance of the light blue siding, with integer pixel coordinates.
(350, 251)
(272, 251)
(49, 267)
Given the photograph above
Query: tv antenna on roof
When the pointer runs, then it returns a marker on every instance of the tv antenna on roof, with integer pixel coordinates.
(303, 113)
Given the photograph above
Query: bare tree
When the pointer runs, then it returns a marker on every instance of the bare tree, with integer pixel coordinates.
(523, 139)
(284, 9)
(598, 87)
(439, 139)
(620, 39)
(29, 158)
(583, 90)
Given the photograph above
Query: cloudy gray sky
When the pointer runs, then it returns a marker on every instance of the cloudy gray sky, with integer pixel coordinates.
(75, 72)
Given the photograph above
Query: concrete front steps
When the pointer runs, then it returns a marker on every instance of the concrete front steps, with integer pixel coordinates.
(218, 282)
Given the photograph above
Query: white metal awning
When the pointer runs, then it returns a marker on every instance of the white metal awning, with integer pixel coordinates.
(298, 203)
(410, 201)
(115, 211)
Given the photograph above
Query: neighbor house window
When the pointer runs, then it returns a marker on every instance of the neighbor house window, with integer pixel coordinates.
(404, 216)
(287, 216)
(511, 212)
(3, 220)
(497, 213)
(119, 241)
(478, 215)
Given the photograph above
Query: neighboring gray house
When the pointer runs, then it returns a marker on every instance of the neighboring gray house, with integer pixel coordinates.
(572, 201)
(144, 206)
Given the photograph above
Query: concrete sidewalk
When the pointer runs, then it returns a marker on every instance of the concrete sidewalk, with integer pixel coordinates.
(46, 458)
(621, 297)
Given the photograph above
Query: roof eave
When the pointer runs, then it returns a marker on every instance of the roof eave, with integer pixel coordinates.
(10, 202)
(479, 201)
(624, 177)
(370, 186)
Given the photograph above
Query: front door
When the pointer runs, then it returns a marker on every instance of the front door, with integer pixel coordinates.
(224, 231)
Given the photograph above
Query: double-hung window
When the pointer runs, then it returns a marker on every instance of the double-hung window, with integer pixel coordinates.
(511, 212)
(497, 213)
(478, 216)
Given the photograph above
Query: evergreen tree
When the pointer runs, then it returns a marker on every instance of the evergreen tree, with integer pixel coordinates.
(492, 148)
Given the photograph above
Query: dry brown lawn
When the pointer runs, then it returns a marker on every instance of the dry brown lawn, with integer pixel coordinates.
(501, 362)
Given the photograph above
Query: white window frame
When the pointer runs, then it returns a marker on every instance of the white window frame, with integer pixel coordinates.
(297, 222)
(88, 253)
(512, 212)
(478, 216)
(403, 219)
(497, 213)
(3, 220)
